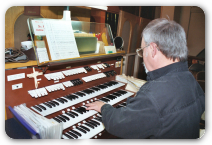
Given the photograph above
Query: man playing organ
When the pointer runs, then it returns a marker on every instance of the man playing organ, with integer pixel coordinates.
(171, 103)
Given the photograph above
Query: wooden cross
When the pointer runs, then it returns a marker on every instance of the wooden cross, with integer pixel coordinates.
(34, 75)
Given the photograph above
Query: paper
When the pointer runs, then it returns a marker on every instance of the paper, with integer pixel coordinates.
(42, 55)
(97, 48)
(61, 40)
(15, 77)
(110, 49)
(38, 27)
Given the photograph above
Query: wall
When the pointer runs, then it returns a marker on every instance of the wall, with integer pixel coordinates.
(192, 19)
(196, 31)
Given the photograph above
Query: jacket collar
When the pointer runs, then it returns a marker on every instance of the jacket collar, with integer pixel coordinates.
(175, 67)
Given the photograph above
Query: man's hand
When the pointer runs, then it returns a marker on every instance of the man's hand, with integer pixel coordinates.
(97, 105)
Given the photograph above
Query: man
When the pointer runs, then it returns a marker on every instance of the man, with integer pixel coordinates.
(171, 103)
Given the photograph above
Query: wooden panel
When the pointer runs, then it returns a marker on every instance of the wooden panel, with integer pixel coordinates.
(10, 65)
(167, 12)
(10, 17)
(196, 33)
(134, 21)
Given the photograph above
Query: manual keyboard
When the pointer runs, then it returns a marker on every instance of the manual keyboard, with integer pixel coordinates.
(55, 105)
(74, 116)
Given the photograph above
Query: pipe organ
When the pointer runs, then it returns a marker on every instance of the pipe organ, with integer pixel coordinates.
(65, 88)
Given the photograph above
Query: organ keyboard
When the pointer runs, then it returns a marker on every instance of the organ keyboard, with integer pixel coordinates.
(63, 97)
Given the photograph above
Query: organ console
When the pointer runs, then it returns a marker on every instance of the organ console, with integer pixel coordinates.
(65, 88)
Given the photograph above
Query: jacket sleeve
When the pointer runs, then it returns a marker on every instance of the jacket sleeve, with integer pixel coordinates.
(139, 119)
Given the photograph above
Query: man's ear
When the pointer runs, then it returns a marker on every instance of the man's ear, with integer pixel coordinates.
(153, 49)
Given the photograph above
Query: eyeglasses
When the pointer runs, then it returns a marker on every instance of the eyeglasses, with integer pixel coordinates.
(141, 51)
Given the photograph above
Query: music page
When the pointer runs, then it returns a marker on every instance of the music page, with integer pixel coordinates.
(61, 40)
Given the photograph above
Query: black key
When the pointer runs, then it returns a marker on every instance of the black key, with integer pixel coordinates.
(65, 117)
(57, 120)
(77, 133)
(72, 134)
(37, 108)
(95, 122)
(79, 82)
(76, 82)
(41, 107)
(59, 100)
(102, 86)
(73, 83)
(64, 100)
(55, 103)
(79, 111)
(61, 118)
(111, 97)
(87, 91)
(122, 92)
(74, 96)
(113, 82)
(116, 94)
(91, 126)
(80, 129)
(68, 136)
(51, 103)
(47, 104)
(73, 113)
(70, 115)
(92, 123)
(104, 99)
(94, 88)
(82, 109)
(106, 73)
(98, 119)
(109, 84)
(80, 94)
(69, 98)
(85, 128)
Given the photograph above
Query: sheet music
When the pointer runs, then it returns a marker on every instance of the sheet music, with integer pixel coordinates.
(61, 40)
(42, 55)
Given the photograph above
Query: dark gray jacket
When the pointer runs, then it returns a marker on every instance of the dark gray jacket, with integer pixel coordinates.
(169, 105)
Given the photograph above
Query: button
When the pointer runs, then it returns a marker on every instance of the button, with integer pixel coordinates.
(87, 101)
(100, 134)
(74, 127)
(63, 111)
(68, 109)
(95, 137)
(73, 107)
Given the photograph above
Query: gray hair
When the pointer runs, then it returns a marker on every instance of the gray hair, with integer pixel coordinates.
(169, 36)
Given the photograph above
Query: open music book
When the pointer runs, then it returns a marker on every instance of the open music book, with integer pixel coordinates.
(133, 84)
(46, 128)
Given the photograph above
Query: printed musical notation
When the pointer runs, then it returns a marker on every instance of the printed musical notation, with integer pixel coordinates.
(61, 40)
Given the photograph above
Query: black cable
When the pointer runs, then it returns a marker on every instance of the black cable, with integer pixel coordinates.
(13, 54)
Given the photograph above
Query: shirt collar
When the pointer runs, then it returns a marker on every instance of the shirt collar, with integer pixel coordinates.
(175, 67)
